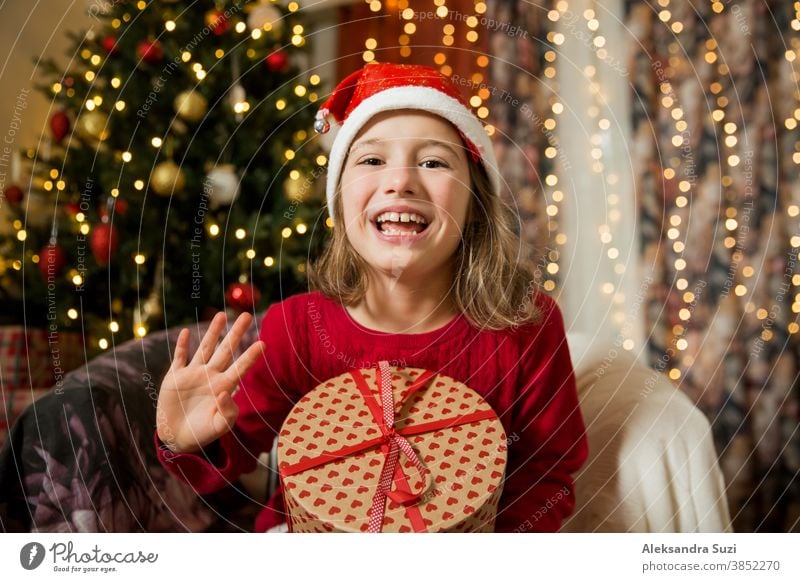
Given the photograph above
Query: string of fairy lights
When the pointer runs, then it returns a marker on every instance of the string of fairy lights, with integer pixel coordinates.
(736, 219)
(791, 123)
(549, 124)
(598, 113)
(683, 173)
(95, 102)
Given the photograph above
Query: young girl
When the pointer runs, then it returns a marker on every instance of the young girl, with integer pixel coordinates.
(421, 271)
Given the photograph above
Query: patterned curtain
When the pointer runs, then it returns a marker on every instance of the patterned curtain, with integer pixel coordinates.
(715, 145)
(714, 151)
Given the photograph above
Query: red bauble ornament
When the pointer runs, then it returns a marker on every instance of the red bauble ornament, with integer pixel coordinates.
(104, 243)
(59, 126)
(52, 259)
(217, 22)
(120, 207)
(150, 51)
(109, 44)
(242, 296)
(72, 208)
(277, 61)
(14, 194)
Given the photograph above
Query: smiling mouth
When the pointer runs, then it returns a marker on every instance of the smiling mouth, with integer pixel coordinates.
(393, 225)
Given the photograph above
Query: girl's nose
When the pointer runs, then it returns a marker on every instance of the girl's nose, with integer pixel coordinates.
(399, 179)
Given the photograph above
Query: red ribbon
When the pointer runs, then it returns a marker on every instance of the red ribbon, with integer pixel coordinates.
(392, 442)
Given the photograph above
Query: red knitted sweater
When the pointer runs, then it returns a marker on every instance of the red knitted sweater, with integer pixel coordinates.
(525, 374)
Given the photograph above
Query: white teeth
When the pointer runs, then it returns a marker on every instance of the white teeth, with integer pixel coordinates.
(393, 232)
(401, 217)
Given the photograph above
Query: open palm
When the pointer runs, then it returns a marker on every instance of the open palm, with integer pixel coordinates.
(195, 407)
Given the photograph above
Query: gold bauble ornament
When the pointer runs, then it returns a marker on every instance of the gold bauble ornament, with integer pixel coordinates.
(92, 126)
(167, 178)
(295, 190)
(191, 105)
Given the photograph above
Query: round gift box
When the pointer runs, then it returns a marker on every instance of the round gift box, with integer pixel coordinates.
(334, 444)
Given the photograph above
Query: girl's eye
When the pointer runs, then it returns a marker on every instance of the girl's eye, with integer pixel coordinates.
(370, 162)
(434, 164)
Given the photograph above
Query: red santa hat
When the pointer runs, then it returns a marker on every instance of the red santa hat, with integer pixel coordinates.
(380, 87)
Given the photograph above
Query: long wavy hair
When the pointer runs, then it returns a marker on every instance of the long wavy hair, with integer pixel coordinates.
(491, 286)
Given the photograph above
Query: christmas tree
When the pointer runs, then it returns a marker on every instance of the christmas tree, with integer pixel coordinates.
(179, 174)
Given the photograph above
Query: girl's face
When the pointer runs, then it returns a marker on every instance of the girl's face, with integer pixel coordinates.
(405, 193)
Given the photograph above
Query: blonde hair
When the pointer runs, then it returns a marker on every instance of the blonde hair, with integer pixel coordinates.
(491, 287)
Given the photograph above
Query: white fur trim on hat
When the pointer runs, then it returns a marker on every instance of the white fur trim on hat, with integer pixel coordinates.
(411, 97)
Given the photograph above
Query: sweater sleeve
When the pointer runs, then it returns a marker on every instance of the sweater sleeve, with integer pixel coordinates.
(265, 396)
(547, 441)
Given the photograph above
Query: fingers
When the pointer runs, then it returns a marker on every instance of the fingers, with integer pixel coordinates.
(225, 351)
(226, 415)
(209, 341)
(181, 350)
(238, 369)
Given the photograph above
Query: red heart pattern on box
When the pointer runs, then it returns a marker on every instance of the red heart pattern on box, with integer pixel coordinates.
(467, 461)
